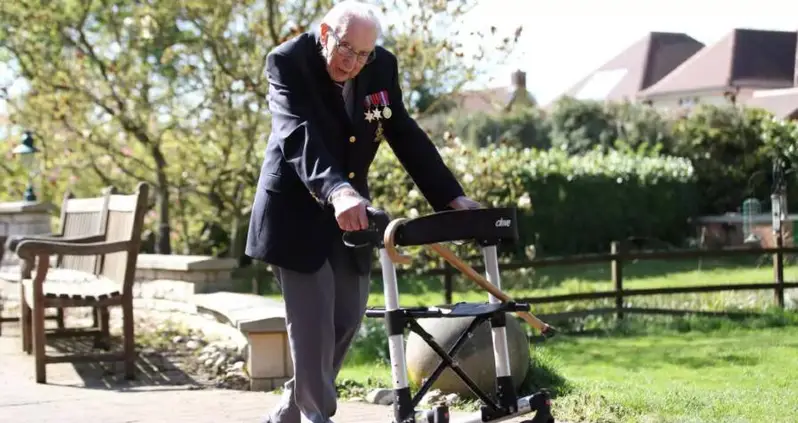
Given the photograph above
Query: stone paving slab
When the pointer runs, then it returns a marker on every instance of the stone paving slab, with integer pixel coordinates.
(88, 393)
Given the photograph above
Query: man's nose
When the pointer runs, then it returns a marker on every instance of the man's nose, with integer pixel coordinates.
(349, 63)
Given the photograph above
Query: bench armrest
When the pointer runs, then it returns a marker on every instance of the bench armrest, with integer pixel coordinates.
(28, 249)
(13, 241)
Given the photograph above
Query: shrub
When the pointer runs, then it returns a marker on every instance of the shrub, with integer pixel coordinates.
(578, 126)
(567, 204)
(520, 127)
(726, 147)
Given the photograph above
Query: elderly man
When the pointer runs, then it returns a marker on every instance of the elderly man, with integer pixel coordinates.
(332, 93)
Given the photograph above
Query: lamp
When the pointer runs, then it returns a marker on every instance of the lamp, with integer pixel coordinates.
(27, 155)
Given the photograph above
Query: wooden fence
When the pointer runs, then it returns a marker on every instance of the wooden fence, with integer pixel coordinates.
(616, 259)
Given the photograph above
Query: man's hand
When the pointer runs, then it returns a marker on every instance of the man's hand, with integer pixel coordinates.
(350, 209)
(464, 203)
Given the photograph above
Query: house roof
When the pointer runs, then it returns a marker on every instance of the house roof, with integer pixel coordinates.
(639, 66)
(487, 100)
(743, 58)
(783, 103)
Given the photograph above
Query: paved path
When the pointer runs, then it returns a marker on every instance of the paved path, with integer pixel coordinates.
(163, 394)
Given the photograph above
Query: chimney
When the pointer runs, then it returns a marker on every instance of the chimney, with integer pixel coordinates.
(519, 80)
(519, 94)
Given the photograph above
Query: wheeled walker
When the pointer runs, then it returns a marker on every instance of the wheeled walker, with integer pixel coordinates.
(488, 227)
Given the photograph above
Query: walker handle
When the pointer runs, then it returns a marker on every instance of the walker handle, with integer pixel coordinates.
(378, 221)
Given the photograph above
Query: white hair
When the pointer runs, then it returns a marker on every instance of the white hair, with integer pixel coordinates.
(339, 17)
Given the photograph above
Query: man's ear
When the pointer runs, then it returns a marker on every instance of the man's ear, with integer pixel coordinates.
(324, 32)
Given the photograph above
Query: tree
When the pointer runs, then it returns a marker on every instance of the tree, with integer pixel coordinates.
(431, 45)
(174, 93)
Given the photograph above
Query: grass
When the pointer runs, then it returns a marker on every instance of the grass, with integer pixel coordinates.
(428, 290)
(665, 370)
(732, 372)
(641, 369)
(591, 277)
(552, 280)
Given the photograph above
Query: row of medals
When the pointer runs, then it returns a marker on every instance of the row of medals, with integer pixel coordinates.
(378, 114)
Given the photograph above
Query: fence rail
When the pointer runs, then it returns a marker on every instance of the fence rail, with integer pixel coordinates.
(616, 259)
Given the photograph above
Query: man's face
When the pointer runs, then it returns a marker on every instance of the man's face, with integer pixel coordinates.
(349, 51)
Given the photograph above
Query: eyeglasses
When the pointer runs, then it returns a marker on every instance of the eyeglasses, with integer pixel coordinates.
(347, 51)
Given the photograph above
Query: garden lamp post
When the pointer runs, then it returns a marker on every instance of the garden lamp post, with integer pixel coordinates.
(27, 155)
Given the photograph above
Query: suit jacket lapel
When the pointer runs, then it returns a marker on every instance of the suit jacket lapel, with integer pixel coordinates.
(329, 90)
(361, 83)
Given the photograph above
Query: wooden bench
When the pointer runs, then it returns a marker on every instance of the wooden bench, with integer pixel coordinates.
(82, 220)
(95, 267)
(262, 321)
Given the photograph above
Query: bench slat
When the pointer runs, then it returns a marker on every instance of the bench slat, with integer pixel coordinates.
(70, 284)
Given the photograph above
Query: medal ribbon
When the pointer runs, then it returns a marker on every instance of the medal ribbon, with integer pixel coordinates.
(384, 98)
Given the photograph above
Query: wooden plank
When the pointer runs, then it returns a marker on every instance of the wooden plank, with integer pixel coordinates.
(675, 254)
(85, 205)
(123, 203)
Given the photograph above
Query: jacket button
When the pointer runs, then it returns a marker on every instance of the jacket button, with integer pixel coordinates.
(351, 175)
(352, 138)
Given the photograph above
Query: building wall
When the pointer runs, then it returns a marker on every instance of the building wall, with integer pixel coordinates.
(685, 100)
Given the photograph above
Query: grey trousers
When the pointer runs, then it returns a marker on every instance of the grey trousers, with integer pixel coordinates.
(324, 311)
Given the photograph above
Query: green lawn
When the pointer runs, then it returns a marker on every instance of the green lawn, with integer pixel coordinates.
(649, 369)
(730, 376)
(643, 369)
(715, 371)
(415, 290)
(592, 277)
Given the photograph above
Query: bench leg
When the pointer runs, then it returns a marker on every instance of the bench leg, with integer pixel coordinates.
(129, 339)
(25, 321)
(60, 318)
(39, 339)
(102, 317)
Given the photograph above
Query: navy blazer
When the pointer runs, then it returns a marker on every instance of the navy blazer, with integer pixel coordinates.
(314, 145)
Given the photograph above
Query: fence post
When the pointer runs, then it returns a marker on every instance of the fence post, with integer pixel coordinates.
(448, 277)
(778, 270)
(616, 268)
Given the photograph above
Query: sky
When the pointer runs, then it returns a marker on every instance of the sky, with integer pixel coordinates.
(565, 40)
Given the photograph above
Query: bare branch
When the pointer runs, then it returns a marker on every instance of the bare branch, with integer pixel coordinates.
(270, 21)
(113, 153)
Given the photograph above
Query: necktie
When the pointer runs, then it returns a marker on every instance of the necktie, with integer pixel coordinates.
(346, 93)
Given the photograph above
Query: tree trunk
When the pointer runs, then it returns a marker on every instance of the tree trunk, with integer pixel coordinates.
(163, 244)
(235, 229)
(235, 251)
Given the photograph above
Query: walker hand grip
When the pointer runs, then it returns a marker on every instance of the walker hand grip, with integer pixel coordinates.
(378, 221)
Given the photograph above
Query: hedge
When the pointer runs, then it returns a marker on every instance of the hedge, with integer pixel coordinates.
(730, 147)
(568, 204)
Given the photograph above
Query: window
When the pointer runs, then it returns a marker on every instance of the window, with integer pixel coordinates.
(688, 101)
